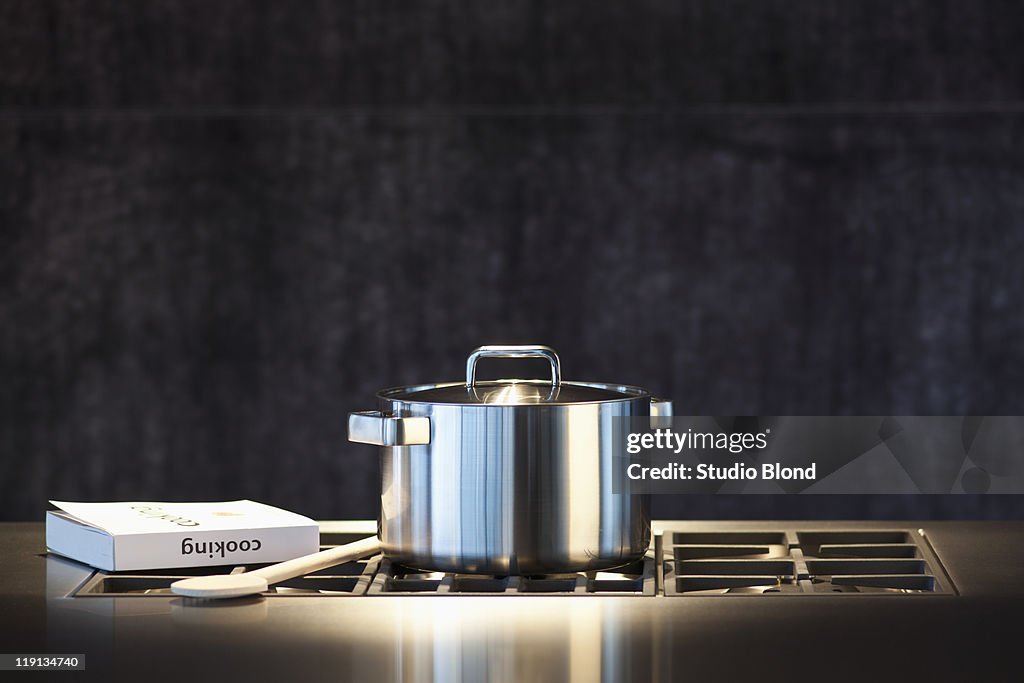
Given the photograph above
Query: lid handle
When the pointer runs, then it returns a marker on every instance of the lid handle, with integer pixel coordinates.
(527, 351)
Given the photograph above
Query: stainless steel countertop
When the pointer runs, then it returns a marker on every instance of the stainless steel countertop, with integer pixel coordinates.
(971, 636)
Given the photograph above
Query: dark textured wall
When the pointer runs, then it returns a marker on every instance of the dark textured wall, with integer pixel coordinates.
(226, 224)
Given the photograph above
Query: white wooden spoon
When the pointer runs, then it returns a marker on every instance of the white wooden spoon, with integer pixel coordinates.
(258, 580)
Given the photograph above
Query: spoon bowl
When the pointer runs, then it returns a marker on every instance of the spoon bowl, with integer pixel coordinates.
(220, 586)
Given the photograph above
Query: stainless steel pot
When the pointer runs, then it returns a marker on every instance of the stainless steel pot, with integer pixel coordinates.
(509, 476)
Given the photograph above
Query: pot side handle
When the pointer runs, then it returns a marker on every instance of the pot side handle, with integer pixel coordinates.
(376, 428)
(661, 408)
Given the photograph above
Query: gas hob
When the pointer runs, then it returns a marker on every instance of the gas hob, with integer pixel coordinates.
(685, 560)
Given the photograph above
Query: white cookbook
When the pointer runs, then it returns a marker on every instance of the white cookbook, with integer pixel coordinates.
(145, 535)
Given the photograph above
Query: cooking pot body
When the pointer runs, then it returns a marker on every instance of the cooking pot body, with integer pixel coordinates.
(510, 489)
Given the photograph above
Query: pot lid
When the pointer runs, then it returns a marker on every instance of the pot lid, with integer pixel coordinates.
(514, 391)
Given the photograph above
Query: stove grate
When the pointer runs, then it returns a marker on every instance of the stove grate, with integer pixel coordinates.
(637, 579)
(787, 561)
(782, 561)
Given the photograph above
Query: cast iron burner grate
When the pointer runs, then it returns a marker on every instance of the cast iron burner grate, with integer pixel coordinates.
(636, 579)
(796, 562)
(695, 563)
(377, 576)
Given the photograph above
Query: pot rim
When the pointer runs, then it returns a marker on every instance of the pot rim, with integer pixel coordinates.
(407, 394)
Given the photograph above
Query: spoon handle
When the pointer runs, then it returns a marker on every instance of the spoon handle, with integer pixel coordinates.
(325, 558)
